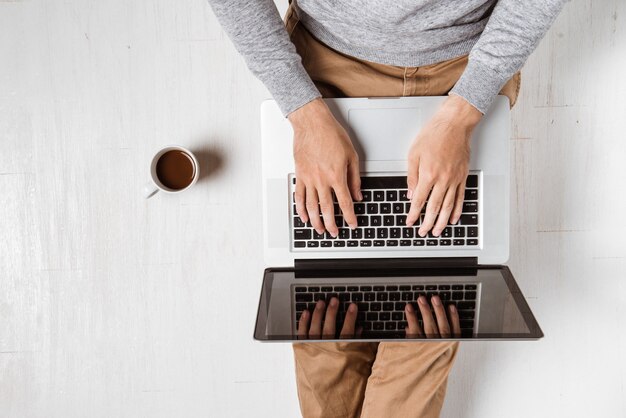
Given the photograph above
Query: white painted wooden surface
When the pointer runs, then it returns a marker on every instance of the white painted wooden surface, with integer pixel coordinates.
(111, 306)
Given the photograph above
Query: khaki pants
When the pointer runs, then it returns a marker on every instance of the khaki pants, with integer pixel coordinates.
(393, 379)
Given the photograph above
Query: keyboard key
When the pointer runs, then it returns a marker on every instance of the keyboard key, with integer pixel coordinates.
(318, 236)
(365, 243)
(378, 326)
(359, 208)
(407, 296)
(466, 305)
(445, 295)
(297, 222)
(457, 295)
(391, 288)
(302, 306)
(470, 295)
(401, 220)
(470, 287)
(344, 233)
(384, 316)
(326, 244)
(367, 195)
(395, 232)
(369, 296)
(447, 232)
(403, 196)
(459, 232)
(392, 243)
(372, 208)
(431, 287)
(382, 233)
(418, 242)
(370, 233)
(353, 243)
(356, 233)
(381, 297)
(366, 288)
(392, 195)
(375, 221)
(357, 297)
(302, 234)
(398, 208)
(444, 287)
(379, 196)
(388, 306)
(397, 316)
(394, 296)
(362, 220)
(379, 288)
(466, 314)
(319, 296)
(379, 243)
(402, 325)
(339, 243)
(385, 208)
(467, 323)
(418, 287)
(372, 316)
(389, 220)
(312, 244)
(327, 289)
(343, 296)
(300, 289)
(299, 244)
(407, 232)
(469, 219)
(457, 287)
(432, 242)
(376, 307)
(367, 326)
(304, 297)
(470, 207)
(445, 242)
(405, 242)
(472, 181)
(458, 242)
(472, 242)
(471, 194)
(472, 232)
(400, 306)
(390, 326)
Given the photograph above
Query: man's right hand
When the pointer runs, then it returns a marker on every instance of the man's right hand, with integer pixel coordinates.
(326, 162)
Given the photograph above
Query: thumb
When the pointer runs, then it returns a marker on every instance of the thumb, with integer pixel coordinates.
(354, 179)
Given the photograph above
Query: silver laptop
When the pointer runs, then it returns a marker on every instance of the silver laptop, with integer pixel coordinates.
(382, 265)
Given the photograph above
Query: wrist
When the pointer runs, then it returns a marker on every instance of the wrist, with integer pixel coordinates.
(461, 111)
(309, 114)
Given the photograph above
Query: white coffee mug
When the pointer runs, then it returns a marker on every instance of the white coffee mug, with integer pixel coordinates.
(151, 188)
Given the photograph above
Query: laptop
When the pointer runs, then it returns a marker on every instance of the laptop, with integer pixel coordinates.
(382, 265)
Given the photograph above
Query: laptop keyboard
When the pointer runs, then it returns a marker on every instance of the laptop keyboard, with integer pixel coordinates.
(381, 307)
(381, 219)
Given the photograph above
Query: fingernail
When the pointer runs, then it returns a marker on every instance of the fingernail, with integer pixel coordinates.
(360, 195)
(334, 302)
(305, 313)
(452, 308)
(320, 304)
(422, 300)
(436, 233)
(409, 193)
(436, 300)
(352, 307)
(421, 233)
(409, 307)
(352, 226)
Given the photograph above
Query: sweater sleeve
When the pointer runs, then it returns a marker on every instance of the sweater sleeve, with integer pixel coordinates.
(512, 33)
(258, 33)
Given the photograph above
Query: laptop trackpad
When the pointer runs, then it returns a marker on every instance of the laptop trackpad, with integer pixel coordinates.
(384, 134)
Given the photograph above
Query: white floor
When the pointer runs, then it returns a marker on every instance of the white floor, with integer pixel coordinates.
(111, 306)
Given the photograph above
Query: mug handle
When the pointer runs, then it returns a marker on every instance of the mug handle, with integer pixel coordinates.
(149, 190)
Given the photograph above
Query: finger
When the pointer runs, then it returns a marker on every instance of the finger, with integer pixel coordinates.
(458, 204)
(446, 210)
(420, 194)
(412, 176)
(315, 332)
(328, 212)
(359, 332)
(300, 201)
(347, 331)
(331, 318)
(430, 327)
(354, 180)
(313, 210)
(346, 204)
(442, 319)
(303, 325)
(413, 329)
(432, 209)
(454, 320)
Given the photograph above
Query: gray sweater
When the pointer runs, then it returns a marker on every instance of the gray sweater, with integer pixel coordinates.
(498, 35)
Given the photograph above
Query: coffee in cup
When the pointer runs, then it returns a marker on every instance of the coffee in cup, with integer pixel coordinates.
(173, 170)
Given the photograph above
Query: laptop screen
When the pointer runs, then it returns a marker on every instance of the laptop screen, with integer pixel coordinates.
(480, 303)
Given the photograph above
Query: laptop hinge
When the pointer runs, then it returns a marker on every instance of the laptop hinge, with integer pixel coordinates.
(384, 266)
